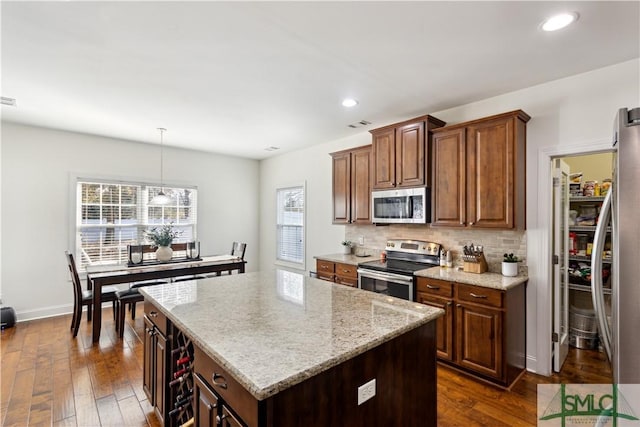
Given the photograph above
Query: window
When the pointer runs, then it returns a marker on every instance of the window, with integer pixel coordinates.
(290, 226)
(112, 215)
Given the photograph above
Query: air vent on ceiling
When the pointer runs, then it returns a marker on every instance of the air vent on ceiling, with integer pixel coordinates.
(359, 124)
(8, 101)
(272, 148)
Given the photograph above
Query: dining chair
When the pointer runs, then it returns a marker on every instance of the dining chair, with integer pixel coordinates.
(237, 250)
(129, 297)
(83, 298)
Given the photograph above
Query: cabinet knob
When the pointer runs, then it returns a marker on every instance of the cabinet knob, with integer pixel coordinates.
(449, 303)
(458, 305)
(471, 223)
(153, 314)
(433, 287)
(219, 381)
(461, 222)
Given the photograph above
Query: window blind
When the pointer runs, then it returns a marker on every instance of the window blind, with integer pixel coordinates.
(290, 224)
(112, 215)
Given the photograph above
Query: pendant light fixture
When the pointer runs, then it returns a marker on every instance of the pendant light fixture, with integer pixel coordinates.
(161, 198)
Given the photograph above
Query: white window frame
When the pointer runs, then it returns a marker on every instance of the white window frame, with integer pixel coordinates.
(285, 263)
(76, 204)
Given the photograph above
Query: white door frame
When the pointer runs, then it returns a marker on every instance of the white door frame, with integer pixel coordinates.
(542, 243)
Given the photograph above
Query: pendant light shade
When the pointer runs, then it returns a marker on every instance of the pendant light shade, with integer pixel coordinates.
(161, 198)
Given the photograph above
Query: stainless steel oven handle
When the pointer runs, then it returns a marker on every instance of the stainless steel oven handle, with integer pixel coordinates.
(389, 277)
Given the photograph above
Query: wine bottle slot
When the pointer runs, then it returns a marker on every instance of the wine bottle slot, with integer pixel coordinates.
(183, 360)
(178, 350)
(180, 372)
(179, 409)
(179, 380)
(181, 402)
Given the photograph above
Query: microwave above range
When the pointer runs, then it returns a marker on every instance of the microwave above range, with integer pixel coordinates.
(400, 206)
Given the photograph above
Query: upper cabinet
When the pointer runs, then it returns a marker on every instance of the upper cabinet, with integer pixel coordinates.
(401, 153)
(479, 173)
(352, 175)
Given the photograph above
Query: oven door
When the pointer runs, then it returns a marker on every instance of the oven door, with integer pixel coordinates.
(395, 285)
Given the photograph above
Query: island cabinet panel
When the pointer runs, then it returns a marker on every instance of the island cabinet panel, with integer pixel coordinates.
(155, 359)
(206, 404)
(479, 173)
(483, 329)
(352, 175)
(404, 370)
(401, 153)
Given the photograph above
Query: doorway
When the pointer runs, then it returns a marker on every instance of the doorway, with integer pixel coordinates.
(579, 185)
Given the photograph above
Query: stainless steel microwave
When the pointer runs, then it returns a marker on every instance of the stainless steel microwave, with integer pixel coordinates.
(406, 205)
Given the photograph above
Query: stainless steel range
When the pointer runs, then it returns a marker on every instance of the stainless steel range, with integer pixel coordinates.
(394, 276)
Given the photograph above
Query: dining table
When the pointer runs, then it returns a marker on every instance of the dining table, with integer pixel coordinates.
(99, 276)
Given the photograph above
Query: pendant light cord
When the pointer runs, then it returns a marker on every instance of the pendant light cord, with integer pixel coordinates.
(162, 131)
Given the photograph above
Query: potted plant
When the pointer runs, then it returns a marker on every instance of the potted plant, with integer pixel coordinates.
(346, 247)
(510, 265)
(162, 237)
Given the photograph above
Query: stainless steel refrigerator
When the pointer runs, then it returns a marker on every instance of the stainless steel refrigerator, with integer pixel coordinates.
(621, 335)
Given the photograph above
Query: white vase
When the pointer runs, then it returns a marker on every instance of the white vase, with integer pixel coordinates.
(346, 249)
(509, 269)
(164, 253)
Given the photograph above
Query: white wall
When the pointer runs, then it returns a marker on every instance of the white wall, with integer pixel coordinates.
(575, 112)
(37, 165)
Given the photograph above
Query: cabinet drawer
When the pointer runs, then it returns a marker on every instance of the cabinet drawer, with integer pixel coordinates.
(435, 287)
(346, 270)
(480, 295)
(329, 277)
(325, 266)
(348, 281)
(224, 385)
(156, 316)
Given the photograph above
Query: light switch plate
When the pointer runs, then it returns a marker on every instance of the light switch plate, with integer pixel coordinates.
(366, 391)
(361, 240)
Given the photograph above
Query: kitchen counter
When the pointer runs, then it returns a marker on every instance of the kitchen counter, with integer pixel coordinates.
(273, 330)
(487, 280)
(346, 258)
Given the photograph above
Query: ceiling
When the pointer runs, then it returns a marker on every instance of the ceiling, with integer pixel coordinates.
(238, 77)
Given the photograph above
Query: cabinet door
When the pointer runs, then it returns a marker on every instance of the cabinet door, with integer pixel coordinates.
(227, 419)
(361, 178)
(384, 159)
(206, 404)
(160, 382)
(490, 174)
(479, 339)
(444, 324)
(449, 178)
(325, 270)
(148, 371)
(410, 155)
(341, 188)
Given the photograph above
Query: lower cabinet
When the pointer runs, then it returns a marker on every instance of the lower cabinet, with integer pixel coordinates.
(210, 411)
(485, 333)
(155, 366)
(344, 274)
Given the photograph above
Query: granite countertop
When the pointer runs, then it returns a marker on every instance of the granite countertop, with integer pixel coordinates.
(487, 280)
(272, 330)
(346, 258)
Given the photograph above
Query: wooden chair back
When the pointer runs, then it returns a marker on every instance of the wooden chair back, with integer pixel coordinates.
(238, 249)
(75, 278)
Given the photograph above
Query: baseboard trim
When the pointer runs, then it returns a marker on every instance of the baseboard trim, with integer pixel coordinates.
(52, 311)
(532, 364)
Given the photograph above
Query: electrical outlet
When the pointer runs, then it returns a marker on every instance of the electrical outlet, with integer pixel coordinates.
(361, 240)
(366, 391)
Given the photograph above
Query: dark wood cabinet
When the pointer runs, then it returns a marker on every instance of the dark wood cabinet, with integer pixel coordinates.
(439, 294)
(479, 339)
(344, 274)
(479, 173)
(154, 375)
(352, 172)
(206, 404)
(485, 334)
(401, 153)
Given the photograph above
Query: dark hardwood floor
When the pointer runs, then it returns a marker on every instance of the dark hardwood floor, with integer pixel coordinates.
(50, 378)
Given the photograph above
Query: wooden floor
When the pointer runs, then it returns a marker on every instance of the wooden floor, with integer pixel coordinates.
(50, 378)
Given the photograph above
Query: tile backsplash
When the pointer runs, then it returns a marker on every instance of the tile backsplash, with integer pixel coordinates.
(495, 242)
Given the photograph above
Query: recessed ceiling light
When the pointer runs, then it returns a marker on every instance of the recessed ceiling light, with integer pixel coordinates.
(272, 148)
(559, 21)
(349, 102)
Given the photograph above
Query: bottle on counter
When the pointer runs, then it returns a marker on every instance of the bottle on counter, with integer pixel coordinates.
(443, 258)
(449, 260)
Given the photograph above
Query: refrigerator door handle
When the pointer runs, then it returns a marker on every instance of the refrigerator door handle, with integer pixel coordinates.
(597, 293)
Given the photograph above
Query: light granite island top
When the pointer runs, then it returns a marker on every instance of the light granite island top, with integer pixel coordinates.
(272, 330)
(487, 280)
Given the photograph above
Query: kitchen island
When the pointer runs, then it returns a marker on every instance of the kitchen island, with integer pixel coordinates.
(281, 349)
